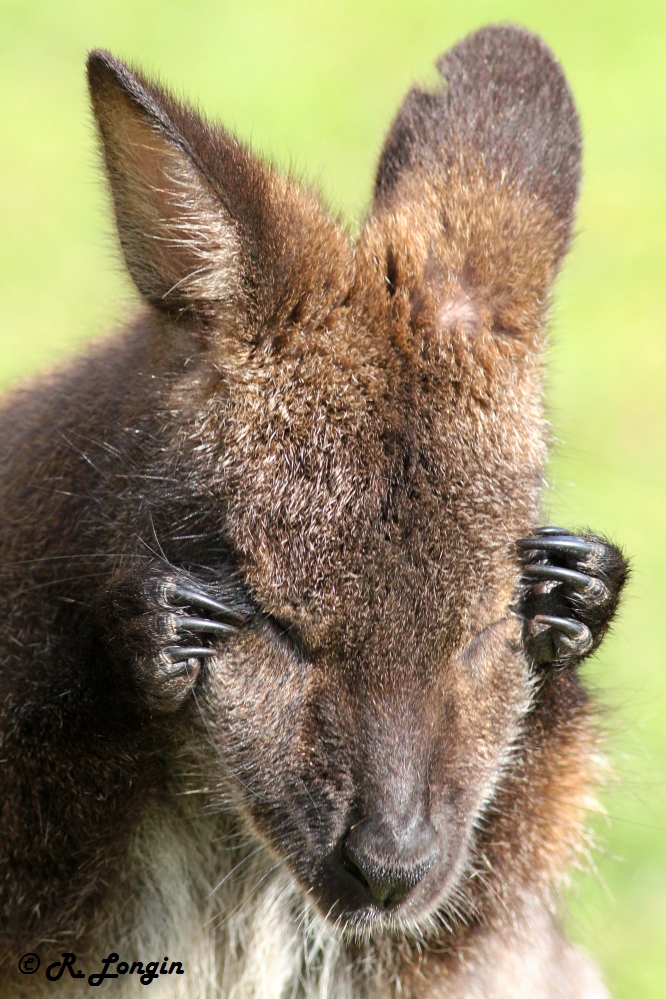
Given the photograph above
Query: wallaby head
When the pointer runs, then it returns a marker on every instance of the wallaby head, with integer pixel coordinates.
(357, 421)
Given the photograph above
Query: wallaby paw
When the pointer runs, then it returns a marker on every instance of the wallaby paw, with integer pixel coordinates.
(570, 589)
(163, 625)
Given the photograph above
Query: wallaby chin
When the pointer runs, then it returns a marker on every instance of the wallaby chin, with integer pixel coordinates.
(289, 698)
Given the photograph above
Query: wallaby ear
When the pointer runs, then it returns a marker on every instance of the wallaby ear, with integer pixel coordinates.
(204, 225)
(180, 241)
(491, 163)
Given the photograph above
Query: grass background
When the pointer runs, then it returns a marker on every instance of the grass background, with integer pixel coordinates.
(314, 85)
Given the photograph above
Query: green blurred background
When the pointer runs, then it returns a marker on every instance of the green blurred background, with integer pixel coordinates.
(314, 85)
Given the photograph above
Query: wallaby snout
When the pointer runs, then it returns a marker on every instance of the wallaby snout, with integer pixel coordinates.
(390, 843)
(389, 857)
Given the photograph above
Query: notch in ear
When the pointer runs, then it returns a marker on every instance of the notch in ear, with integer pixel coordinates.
(504, 97)
(490, 163)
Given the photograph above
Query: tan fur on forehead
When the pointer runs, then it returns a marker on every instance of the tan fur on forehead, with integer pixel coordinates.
(322, 421)
(480, 247)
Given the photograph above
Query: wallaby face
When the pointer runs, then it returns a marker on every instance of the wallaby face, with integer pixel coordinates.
(336, 446)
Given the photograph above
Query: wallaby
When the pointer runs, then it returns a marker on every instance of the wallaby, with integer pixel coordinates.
(290, 704)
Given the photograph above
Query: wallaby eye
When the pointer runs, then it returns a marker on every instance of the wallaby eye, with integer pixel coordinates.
(282, 632)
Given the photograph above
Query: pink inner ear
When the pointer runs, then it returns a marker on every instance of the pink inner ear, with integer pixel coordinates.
(460, 312)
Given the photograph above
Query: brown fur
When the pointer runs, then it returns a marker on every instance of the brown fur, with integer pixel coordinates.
(348, 436)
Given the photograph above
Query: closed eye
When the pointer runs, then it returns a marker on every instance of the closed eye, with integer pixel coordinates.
(282, 633)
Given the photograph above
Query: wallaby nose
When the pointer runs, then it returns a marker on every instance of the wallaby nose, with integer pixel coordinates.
(388, 861)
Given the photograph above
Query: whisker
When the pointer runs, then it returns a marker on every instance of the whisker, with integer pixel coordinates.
(218, 752)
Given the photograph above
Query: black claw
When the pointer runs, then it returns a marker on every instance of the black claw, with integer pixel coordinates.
(577, 605)
(560, 531)
(205, 626)
(572, 629)
(179, 655)
(557, 544)
(182, 595)
(578, 580)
